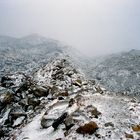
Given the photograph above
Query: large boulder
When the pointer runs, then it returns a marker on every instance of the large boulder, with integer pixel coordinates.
(6, 97)
(69, 122)
(55, 114)
(39, 91)
(93, 110)
(5, 113)
(17, 111)
(62, 94)
(46, 122)
(136, 128)
(6, 81)
(59, 120)
(1, 132)
(129, 136)
(24, 86)
(18, 121)
(33, 101)
(88, 128)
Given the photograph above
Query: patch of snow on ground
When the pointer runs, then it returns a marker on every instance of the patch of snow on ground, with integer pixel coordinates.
(114, 109)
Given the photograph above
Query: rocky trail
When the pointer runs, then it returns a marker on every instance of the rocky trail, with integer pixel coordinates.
(57, 102)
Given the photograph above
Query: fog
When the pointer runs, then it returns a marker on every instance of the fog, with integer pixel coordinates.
(93, 26)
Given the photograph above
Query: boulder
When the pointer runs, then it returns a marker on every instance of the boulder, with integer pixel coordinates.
(129, 136)
(88, 128)
(46, 122)
(59, 120)
(17, 111)
(6, 81)
(69, 122)
(109, 124)
(7, 97)
(1, 106)
(1, 132)
(99, 89)
(61, 98)
(23, 87)
(98, 135)
(39, 91)
(5, 113)
(58, 74)
(34, 102)
(77, 82)
(51, 118)
(93, 110)
(59, 139)
(55, 90)
(63, 94)
(18, 121)
(71, 102)
(24, 103)
(136, 128)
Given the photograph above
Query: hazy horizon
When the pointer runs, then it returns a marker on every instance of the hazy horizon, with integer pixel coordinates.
(94, 27)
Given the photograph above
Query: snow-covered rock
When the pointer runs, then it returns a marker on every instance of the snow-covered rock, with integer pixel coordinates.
(86, 104)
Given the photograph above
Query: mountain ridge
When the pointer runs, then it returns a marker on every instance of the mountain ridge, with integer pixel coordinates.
(119, 72)
(58, 102)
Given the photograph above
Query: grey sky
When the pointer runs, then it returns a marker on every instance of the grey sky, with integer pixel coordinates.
(94, 26)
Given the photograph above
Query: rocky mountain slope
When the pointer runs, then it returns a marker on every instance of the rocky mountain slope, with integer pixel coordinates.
(119, 72)
(57, 102)
(27, 53)
(45, 92)
(116, 72)
(31, 52)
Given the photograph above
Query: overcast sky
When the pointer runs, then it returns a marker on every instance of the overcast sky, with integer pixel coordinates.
(93, 26)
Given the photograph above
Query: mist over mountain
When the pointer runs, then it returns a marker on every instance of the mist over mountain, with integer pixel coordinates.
(32, 51)
(94, 27)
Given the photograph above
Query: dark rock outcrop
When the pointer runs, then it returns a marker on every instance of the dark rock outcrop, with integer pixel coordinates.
(59, 121)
